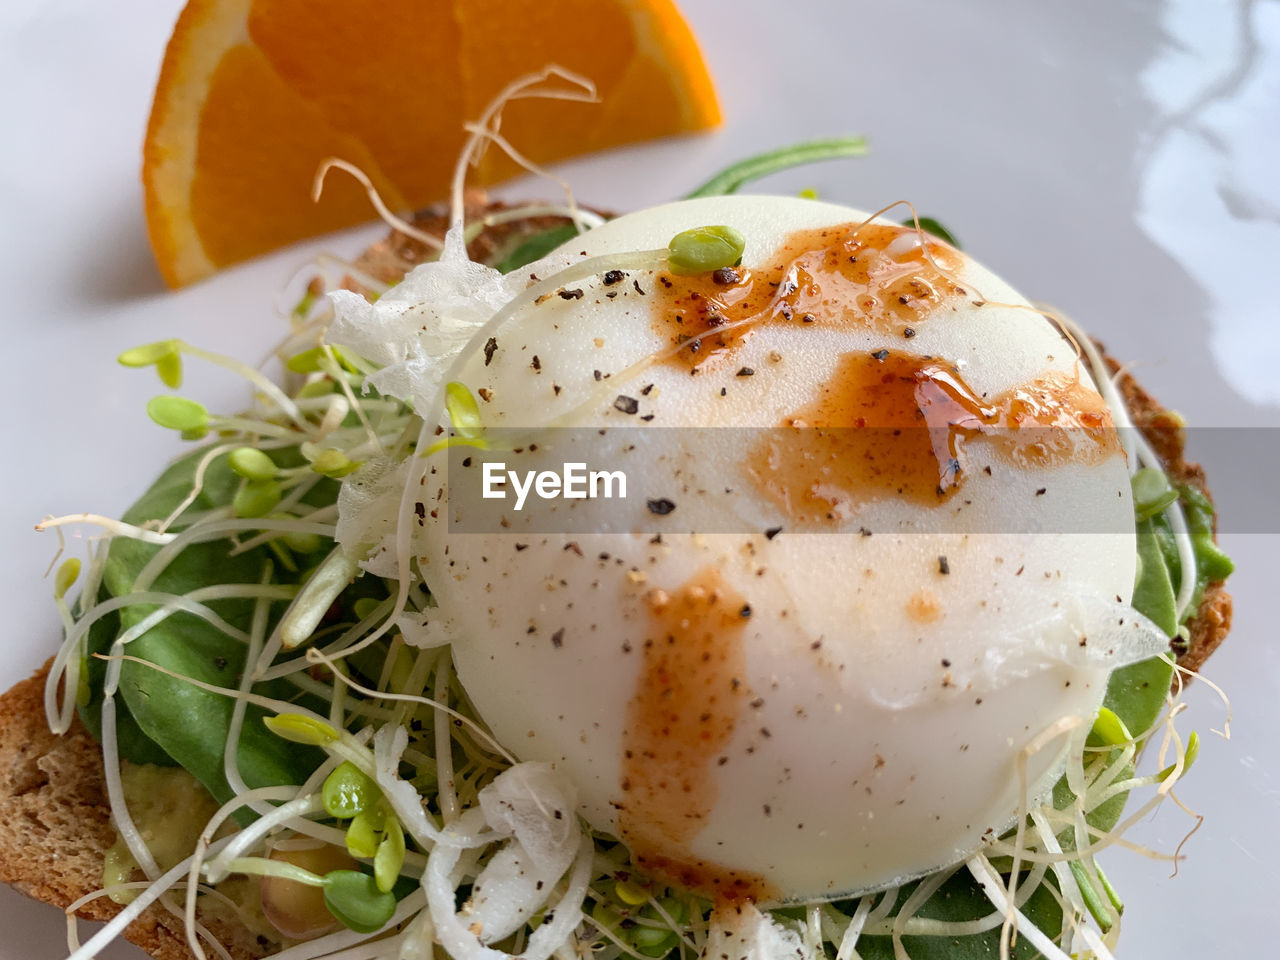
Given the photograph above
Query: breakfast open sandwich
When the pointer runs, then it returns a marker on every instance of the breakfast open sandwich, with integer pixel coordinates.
(746, 576)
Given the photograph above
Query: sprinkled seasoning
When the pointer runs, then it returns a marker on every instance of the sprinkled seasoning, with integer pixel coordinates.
(614, 276)
(661, 506)
(490, 348)
(861, 275)
(684, 712)
(571, 294)
(944, 567)
(891, 423)
(626, 404)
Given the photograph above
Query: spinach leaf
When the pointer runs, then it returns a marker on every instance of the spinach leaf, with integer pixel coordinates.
(1136, 693)
(934, 227)
(961, 899)
(537, 246)
(186, 722)
(133, 745)
(1211, 562)
(1153, 592)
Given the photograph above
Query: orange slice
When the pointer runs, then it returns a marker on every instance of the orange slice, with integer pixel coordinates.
(255, 94)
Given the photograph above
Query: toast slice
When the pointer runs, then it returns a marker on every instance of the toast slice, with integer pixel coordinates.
(55, 826)
(55, 829)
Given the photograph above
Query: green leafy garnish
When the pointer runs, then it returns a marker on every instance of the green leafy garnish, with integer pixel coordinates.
(147, 354)
(190, 647)
(1109, 728)
(464, 412)
(178, 413)
(163, 354)
(537, 246)
(354, 898)
(1153, 593)
(733, 178)
(1211, 562)
(333, 464)
(256, 498)
(298, 728)
(1152, 492)
(316, 360)
(390, 856)
(252, 464)
(68, 573)
(931, 226)
(960, 899)
(362, 834)
(704, 249)
(1190, 753)
(349, 791)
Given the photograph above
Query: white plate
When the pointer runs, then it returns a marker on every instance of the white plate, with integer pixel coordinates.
(1117, 160)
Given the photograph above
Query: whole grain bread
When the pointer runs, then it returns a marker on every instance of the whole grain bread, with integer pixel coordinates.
(1164, 431)
(54, 822)
(55, 828)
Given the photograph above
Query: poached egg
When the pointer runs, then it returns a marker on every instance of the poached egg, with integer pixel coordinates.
(870, 576)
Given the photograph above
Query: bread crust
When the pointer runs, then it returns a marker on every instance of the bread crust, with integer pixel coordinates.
(1164, 431)
(55, 826)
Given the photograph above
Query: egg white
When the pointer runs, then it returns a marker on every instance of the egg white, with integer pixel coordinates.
(881, 747)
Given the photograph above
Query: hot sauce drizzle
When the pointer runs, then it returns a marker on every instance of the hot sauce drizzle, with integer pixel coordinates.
(878, 276)
(680, 720)
(896, 425)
